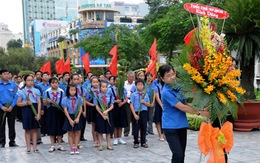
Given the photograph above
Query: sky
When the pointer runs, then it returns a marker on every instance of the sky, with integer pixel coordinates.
(11, 13)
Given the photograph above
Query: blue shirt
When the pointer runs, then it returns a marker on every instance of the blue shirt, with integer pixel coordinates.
(51, 96)
(88, 94)
(87, 84)
(32, 96)
(63, 85)
(8, 93)
(155, 82)
(67, 102)
(109, 99)
(172, 117)
(115, 93)
(36, 82)
(158, 88)
(135, 99)
(149, 90)
(80, 91)
(133, 89)
(44, 87)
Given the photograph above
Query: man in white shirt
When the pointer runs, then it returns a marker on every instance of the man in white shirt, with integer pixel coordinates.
(129, 83)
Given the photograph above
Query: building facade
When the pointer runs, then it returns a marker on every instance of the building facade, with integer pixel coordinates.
(48, 10)
(7, 35)
(44, 26)
(131, 9)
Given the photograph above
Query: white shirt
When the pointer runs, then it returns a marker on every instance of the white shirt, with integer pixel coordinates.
(128, 88)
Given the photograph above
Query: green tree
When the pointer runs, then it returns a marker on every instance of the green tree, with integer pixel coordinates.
(169, 22)
(14, 44)
(131, 52)
(242, 30)
(18, 59)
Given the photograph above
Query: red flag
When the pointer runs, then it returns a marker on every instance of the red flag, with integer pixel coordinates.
(59, 66)
(46, 67)
(85, 61)
(66, 67)
(113, 64)
(152, 50)
(187, 38)
(152, 68)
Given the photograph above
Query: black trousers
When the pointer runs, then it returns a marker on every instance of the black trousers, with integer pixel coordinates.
(177, 140)
(18, 113)
(10, 116)
(43, 121)
(141, 124)
(84, 120)
(128, 114)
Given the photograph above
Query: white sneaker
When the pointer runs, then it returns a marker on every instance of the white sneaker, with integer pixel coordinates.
(115, 141)
(121, 141)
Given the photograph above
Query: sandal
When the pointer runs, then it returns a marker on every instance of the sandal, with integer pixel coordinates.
(136, 145)
(28, 152)
(60, 148)
(36, 151)
(100, 148)
(109, 147)
(52, 149)
(144, 145)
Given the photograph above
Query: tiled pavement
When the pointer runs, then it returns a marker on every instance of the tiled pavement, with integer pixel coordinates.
(245, 150)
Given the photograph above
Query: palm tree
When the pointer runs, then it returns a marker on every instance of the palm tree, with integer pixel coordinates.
(242, 30)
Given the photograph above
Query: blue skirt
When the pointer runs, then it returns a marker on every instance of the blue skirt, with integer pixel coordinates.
(119, 116)
(29, 121)
(54, 121)
(91, 114)
(104, 126)
(68, 127)
(157, 113)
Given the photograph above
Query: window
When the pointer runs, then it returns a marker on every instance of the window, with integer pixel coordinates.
(110, 16)
(125, 20)
(126, 8)
(99, 15)
(140, 21)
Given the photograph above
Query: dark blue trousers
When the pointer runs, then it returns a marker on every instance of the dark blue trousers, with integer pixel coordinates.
(141, 124)
(177, 139)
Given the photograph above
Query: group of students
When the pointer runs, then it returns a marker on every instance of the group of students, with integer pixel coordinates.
(64, 104)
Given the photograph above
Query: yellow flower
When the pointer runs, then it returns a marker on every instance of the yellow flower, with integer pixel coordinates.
(198, 79)
(240, 90)
(222, 97)
(231, 95)
(209, 89)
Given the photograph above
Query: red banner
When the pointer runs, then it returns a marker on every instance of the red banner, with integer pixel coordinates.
(204, 10)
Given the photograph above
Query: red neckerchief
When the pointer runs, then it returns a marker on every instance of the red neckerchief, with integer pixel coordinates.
(104, 99)
(73, 102)
(79, 92)
(30, 92)
(55, 96)
(117, 94)
(140, 95)
(96, 92)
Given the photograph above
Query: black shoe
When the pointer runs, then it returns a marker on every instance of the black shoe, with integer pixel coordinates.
(13, 145)
(126, 135)
(83, 139)
(2, 145)
(39, 142)
(151, 133)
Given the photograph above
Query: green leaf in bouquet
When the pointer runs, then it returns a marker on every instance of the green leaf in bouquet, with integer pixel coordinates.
(120, 86)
